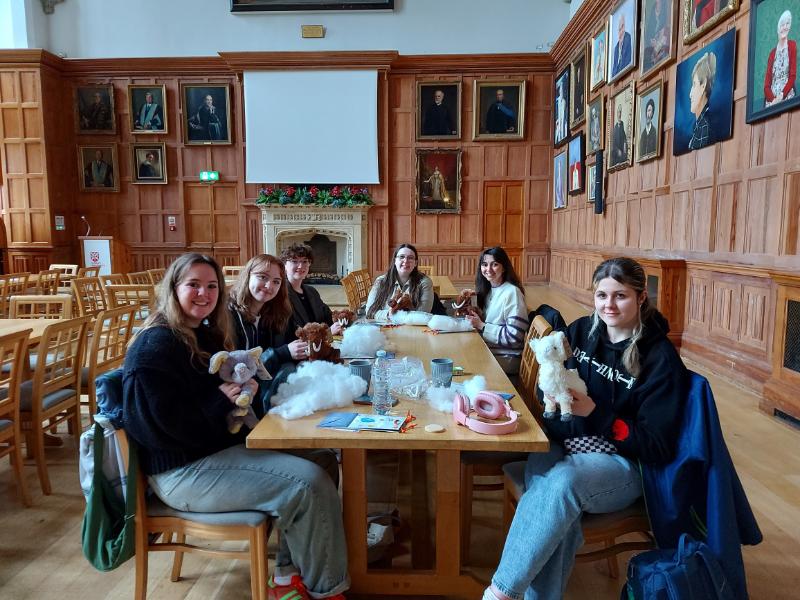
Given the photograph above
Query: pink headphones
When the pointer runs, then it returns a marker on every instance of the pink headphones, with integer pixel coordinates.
(489, 406)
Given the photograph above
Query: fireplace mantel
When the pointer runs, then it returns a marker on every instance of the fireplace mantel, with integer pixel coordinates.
(282, 222)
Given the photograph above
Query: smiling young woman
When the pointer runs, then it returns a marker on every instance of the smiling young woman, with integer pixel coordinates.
(402, 275)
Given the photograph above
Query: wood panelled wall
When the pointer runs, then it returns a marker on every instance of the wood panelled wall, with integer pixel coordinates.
(730, 210)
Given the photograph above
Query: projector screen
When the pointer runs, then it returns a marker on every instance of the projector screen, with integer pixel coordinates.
(311, 126)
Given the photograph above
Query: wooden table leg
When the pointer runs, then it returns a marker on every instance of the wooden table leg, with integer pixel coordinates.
(354, 500)
(448, 511)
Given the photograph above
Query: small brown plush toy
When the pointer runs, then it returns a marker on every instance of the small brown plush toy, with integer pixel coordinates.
(320, 339)
(400, 301)
(344, 317)
(462, 304)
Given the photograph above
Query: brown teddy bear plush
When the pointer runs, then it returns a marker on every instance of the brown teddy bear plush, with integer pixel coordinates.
(400, 301)
(319, 338)
(344, 317)
(462, 304)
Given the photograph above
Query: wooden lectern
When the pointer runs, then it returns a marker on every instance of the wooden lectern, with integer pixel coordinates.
(105, 252)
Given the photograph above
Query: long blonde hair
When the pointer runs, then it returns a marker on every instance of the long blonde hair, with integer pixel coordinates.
(275, 313)
(630, 273)
(168, 311)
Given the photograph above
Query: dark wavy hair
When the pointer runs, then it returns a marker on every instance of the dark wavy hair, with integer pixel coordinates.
(275, 313)
(386, 284)
(168, 311)
(630, 273)
(483, 287)
(296, 251)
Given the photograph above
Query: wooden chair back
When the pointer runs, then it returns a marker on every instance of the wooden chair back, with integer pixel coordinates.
(143, 297)
(350, 290)
(13, 353)
(64, 269)
(12, 284)
(89, 296)
(529, 367)
(140, 278)
(429, 270)
(114, 278)
(363, 283)
(57, 373)
(156, 524)
(230, 271)
(88, 272)
(35, 306)
(156, 275)
(47, 281)
(106, 347)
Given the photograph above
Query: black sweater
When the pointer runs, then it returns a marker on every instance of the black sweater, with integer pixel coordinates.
(173, 408)
(320, 313)
(639, 415)
(249, 335)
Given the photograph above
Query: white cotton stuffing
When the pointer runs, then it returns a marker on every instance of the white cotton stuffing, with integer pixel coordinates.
(441, 398)
(445, 323)
(316, 385)
(410, 317)
(362, 340)
(474, 385)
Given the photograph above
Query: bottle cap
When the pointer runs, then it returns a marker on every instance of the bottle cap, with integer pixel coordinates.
(381, 353)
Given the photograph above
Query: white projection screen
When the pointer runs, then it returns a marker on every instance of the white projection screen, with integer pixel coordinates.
(311, 126)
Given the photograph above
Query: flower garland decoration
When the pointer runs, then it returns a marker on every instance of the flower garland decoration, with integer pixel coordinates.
(337, 196)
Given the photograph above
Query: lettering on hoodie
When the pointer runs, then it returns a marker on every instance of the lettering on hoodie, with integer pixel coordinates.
(604, 370)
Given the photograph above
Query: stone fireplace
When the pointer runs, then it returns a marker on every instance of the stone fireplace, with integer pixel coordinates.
(346, 227)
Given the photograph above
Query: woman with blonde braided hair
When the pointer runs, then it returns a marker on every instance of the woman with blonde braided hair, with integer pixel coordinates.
(636, 385)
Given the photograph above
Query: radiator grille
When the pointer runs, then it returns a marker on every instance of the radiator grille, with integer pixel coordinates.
(791, 352)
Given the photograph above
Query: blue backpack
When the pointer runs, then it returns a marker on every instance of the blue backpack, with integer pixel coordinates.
(689, 573)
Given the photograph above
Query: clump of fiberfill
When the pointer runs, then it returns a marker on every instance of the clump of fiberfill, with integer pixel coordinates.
(362, 340)
(316, 385)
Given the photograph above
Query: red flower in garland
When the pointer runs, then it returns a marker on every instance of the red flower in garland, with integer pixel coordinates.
(313, 191)
(335, 191)
(290, 191)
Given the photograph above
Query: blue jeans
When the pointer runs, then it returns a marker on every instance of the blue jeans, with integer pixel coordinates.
(546, 531)
(296, 492)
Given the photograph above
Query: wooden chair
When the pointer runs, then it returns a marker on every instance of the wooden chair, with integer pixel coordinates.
(114, 278)
(13, 284)
(363, 283)
(156, 523)
(231, 271)
(33, 306)
(88, 272)
(156, 275)
(143, 297)
(428, 270)
(490, 464)
(47, 281)
(349, 284)
(13, 349)
(106, 348)
(140, 278)
(51, 397)
(64, 269)
(89, 296)
(603, 529)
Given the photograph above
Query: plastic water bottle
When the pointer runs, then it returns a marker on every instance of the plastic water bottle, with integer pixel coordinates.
(381, 401)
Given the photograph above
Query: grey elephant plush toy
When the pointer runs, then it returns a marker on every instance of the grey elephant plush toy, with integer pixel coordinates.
(239, 366)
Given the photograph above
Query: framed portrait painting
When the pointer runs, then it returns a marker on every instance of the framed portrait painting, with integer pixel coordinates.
(438, 110)
(597, 73)
(658, 34)
(620, 122)
(149, 163)
(98, 168)
(622, 38)
(595, 125)
(147, 108)
(560, 180)
(206, 113)
(591, 182)
(701, 15)
(438, 181)
(561, 111)
(772, 58)
(575, 160)
(499, 110)
(577, 95)
(94, 109)
(649, 118)
(704, 95)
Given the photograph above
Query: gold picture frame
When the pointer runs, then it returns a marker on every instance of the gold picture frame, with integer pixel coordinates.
(648, 144)
(143, 120)
(598, 58)
(595, 132)
(146, 170)
(620, 142)
(206, 109)
(657, 29)
(622, 58)
(434, 120)
(485, 97)
(438, 181)
(98, 168)
(577, 92)
(94, 109)
(693, 31)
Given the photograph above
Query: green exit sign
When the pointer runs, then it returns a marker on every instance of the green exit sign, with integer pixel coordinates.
(209, 176)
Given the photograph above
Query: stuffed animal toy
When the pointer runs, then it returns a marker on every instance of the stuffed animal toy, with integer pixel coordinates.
(320, 340)
(344, 317)
(555, 380)
(462, 304)
(400, 301)
(239, 366)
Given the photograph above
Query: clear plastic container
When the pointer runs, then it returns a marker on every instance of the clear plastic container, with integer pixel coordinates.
(381, 401)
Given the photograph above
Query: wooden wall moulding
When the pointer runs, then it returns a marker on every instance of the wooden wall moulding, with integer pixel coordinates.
(199, 66)
(781, 389)
(297, 61)
(448, 64)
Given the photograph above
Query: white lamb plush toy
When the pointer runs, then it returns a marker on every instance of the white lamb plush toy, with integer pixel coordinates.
(554, 379)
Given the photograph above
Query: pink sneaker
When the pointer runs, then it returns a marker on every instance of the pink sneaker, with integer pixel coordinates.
(296, 590)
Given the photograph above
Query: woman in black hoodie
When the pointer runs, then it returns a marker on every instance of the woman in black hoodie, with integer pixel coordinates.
(636, 387)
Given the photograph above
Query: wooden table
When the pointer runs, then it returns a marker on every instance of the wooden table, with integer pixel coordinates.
(443, 286)
(446, 578)
(37, 325)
